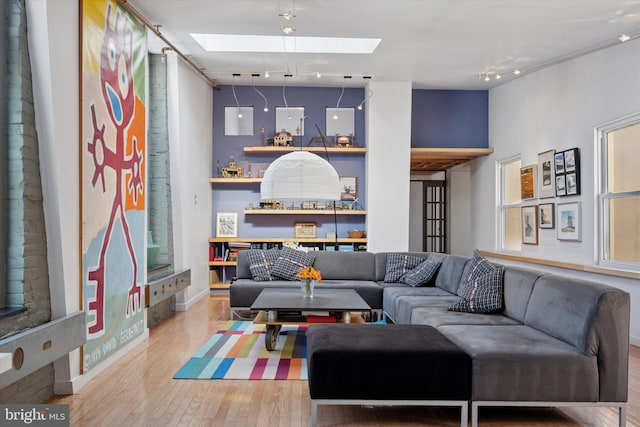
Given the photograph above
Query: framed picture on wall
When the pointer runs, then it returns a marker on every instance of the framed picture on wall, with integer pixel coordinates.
(528, 182)
(546, 218)
(530, 225)
(227, 224)
(349, 188)
(561, 189)
(572, 184)
(571, 160)
(559, 162)
(304, 230)
(569, 221)
(546, 176)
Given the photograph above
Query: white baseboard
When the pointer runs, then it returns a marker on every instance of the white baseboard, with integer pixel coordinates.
(75, 384)
(184, 306)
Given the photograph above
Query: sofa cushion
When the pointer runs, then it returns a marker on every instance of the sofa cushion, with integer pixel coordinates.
(290, 262)
(399, 264)
(519, 363)
(450, 272)
(426, 295)
(438, 316)
(357, 265)
(422, 274)
(261, 263)
(485, 294)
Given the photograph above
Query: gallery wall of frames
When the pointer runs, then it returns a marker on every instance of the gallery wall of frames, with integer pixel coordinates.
(555, 177)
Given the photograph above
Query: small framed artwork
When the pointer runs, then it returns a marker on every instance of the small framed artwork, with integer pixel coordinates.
(571, 160)
(530, 225)
(304, 230)
(527, 182)
(568, 219)
(227, 224)
(349, 189)
(547, 176)
(546, 218)
(573, 187)
(561, 189)
(559, 162)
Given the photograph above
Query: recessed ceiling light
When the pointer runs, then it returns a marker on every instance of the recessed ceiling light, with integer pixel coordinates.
(624, 37)
(516, 72)
(276, 44)
(498, 76)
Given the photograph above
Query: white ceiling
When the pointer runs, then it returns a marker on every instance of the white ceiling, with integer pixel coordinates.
(436, 44)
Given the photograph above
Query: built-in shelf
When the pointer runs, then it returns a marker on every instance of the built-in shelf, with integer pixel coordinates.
(235, 180)
(222, 263)
(286, 239)
(303, 212)
(269, 149)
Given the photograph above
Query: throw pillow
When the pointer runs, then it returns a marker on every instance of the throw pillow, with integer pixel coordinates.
(399, 264)
(485, 296)
(478, 266)
(290, 262)
(261, 263)
(422, 274)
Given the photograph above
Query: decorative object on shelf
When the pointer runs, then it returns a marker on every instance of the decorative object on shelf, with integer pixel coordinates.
(232, 170)
(270, 204)
(308, 276)
(356, 234)
(546, 217)
(227, 224)
(530, 225)
(547, 178)
(283, 139)
(304, 230)
(527, 182)
(569, 221)
(349, 188)
(344, 140)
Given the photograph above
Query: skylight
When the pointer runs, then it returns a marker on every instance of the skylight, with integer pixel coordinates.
(280, 44)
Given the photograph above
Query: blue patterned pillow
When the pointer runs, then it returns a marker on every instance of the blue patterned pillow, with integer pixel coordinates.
(290, 262)
(423, 273)
(477, 267)
(261, 263)
(399, 264)
(485, 294)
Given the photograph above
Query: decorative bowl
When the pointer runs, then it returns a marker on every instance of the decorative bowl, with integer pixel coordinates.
(356, 234)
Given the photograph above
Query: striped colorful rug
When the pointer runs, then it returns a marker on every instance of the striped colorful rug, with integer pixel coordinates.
(237, 352)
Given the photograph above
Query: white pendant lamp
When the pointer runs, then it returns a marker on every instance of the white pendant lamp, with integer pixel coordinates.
(300, 175)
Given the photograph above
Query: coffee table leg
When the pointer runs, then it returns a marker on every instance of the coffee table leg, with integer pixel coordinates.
(271, 337)
(346, 317)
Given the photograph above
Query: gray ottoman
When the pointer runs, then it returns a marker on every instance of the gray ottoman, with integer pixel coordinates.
(408, 365)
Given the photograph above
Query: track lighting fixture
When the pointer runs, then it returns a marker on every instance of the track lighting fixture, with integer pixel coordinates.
(359, 107)
(335, 115)
(266, 107)
(233, 89)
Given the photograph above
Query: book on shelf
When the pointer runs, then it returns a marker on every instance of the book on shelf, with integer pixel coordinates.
(226, 255)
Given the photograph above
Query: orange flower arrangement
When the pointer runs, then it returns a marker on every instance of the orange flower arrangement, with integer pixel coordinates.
(310, 273)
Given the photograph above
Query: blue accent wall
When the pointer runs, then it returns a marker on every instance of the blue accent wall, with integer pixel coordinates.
(450, 119)
(235, 197)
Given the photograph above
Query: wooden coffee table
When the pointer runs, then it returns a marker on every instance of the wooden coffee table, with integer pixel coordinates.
(280, 306)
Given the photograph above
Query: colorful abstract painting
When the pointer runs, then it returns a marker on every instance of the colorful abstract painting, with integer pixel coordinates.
(113, 118)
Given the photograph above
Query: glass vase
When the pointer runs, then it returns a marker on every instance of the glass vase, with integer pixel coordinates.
(307, 288)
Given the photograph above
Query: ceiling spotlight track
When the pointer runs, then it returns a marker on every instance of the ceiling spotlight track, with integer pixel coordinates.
(368, 97)
(156, 30)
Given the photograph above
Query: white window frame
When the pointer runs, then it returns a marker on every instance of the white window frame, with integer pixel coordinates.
(501, 207)
(604, 195)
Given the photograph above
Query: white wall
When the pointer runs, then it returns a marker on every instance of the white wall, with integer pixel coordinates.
(388, 140)
(416, 207)
(190, 105)
(559, 108)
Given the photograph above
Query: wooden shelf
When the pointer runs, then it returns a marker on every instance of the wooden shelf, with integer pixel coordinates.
(303, 212)
(268, 149)
(284, 239)
(235, 180)
(221, 263)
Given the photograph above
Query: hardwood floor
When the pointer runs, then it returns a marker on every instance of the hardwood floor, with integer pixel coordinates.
(139, 390)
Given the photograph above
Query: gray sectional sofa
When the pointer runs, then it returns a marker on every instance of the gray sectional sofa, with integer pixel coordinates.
(556, 341)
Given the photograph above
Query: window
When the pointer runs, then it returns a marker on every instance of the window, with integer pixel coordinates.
(510, 220)
(619, 196)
